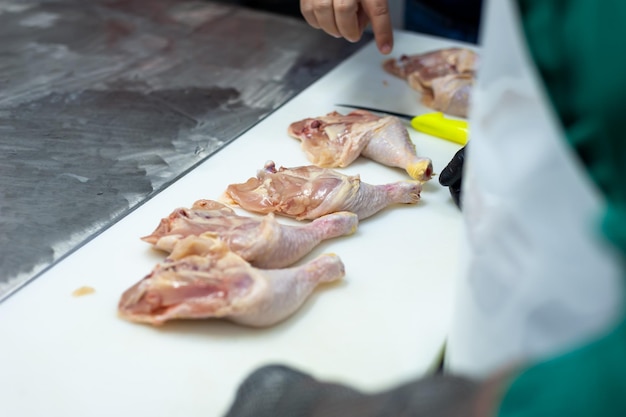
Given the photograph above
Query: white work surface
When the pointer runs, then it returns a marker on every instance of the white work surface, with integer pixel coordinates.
(383, 324)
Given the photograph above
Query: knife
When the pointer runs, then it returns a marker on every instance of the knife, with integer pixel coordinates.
(434, 124)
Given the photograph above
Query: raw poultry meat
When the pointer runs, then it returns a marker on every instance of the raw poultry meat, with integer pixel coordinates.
(434, 64)
(263, 242)
(444, 77)
(450, 92)
(336, 140)
(309, 192)
(202, 278)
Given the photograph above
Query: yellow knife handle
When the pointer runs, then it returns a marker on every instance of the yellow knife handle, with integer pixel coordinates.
(436, 124)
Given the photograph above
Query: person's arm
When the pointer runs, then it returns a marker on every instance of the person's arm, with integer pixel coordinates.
(279, 391)
(348, 19)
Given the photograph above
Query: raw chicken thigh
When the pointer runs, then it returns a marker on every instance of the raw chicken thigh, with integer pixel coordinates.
(444, 77)
(451, 92)
(336, 140)
(202, 278)
(433, 64)
(309, 192)
(263, 242)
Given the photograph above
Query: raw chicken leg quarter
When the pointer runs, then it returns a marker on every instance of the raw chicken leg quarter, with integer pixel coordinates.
(204, 279)
(309, 192)
(336, 140)
(445, 77)
(263, 242)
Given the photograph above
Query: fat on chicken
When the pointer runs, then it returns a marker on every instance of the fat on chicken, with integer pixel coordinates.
(263, 242)
(444, 77)
(336, 140)
(309, 192)
(203, 279)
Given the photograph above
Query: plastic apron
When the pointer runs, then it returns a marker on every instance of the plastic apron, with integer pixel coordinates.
(536, 277)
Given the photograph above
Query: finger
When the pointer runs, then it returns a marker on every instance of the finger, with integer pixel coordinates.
(262, 393)
(378, 13)
(362, 18)
(453, 172)
(325, 15)
(347, 19)
(455, 192)
(306, 8)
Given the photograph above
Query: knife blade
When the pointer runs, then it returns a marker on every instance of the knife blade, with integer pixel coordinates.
(434, 124)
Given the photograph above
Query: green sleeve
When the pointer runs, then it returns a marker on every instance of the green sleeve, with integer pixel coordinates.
(579, 49)
(588, 382)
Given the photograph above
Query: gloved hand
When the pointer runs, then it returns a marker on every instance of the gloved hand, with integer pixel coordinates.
(278, 391)
(452, 176)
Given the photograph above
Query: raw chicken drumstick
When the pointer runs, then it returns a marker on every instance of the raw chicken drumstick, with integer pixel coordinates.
(309, 192)
(263, 242)
(204, 279)
(336, 140)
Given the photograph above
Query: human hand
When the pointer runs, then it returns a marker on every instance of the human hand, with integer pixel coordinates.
(348, 18)
(279, 391)
(452, 176)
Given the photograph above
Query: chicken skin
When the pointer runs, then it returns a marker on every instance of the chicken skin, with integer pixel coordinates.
(202, 279)
(309, 192)
(444, 77)
(336, 140)
(263, 242)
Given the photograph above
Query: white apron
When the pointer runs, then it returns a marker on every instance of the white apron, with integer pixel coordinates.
(536, 277)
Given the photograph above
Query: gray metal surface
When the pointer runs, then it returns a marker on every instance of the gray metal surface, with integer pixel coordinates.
(105, 103)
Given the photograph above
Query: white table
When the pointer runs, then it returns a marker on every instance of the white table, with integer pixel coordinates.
(385, 323)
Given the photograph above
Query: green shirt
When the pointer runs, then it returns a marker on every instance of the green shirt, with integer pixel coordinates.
(579, 48)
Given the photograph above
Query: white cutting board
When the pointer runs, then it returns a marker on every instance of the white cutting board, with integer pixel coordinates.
(385, 323)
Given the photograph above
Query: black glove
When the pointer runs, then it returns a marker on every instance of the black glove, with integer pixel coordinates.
(278, 391)
(452, 176)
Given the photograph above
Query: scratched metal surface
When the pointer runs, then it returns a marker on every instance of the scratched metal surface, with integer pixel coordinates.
(105, 103)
